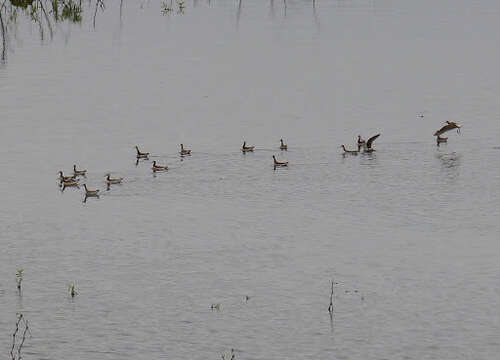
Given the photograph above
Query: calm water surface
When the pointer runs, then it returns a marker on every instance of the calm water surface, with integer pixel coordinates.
(413, 228)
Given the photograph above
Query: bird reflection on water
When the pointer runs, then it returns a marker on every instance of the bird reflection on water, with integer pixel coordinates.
(450, 164)
(449, 160)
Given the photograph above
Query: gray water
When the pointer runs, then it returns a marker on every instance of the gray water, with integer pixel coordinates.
(413, 227)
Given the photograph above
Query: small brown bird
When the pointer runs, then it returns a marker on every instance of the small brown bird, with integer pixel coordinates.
(361, 142)
(279, 163)
(78, 172)
(110, 180)
(283, 146)
(66, 178)
(352, 152)
(184, 151)
(69, 183)
(89, 193)
(246, 148)
(440, 140)
(140, 154)
(158, 167)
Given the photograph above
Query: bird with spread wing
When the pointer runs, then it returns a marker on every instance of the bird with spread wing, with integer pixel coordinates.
(450, 125)
(368, 145)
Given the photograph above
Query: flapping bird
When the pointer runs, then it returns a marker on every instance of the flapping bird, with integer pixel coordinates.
(450, 125)
(361, 142)
(368, 146)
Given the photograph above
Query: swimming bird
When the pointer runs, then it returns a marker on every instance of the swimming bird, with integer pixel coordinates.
(440, 140)
(66, 178)
(89, 193)
(368, 146)
(450, 125)
(361, 142)
(110, 180)
(158, 167)
(69, 183)
(141, 155)
(279, 163)
(184, 151)
(283, 146)
(246, 148)
(352, 152)
(78, 172)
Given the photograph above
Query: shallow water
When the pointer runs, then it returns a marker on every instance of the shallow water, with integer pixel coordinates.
(412, 227)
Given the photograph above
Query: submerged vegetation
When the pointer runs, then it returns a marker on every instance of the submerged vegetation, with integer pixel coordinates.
(47, 14)
(72, 290)
(231, 356)
(44, 13)
(217, 307)
(71, 11)
(167, 7)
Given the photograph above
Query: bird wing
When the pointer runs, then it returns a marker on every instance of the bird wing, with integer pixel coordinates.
(371, 140)
(445, 128)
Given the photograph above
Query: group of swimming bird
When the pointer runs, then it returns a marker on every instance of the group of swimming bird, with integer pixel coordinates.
(366, 145)
(277, 163)
(73, 181)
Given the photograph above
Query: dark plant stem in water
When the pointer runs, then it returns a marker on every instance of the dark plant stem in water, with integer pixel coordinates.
(238, 13)
(47, 19)
(20, 321)
(12, 353)
(2, 25)
(26, 329)
(97, 4)
(330, 307)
